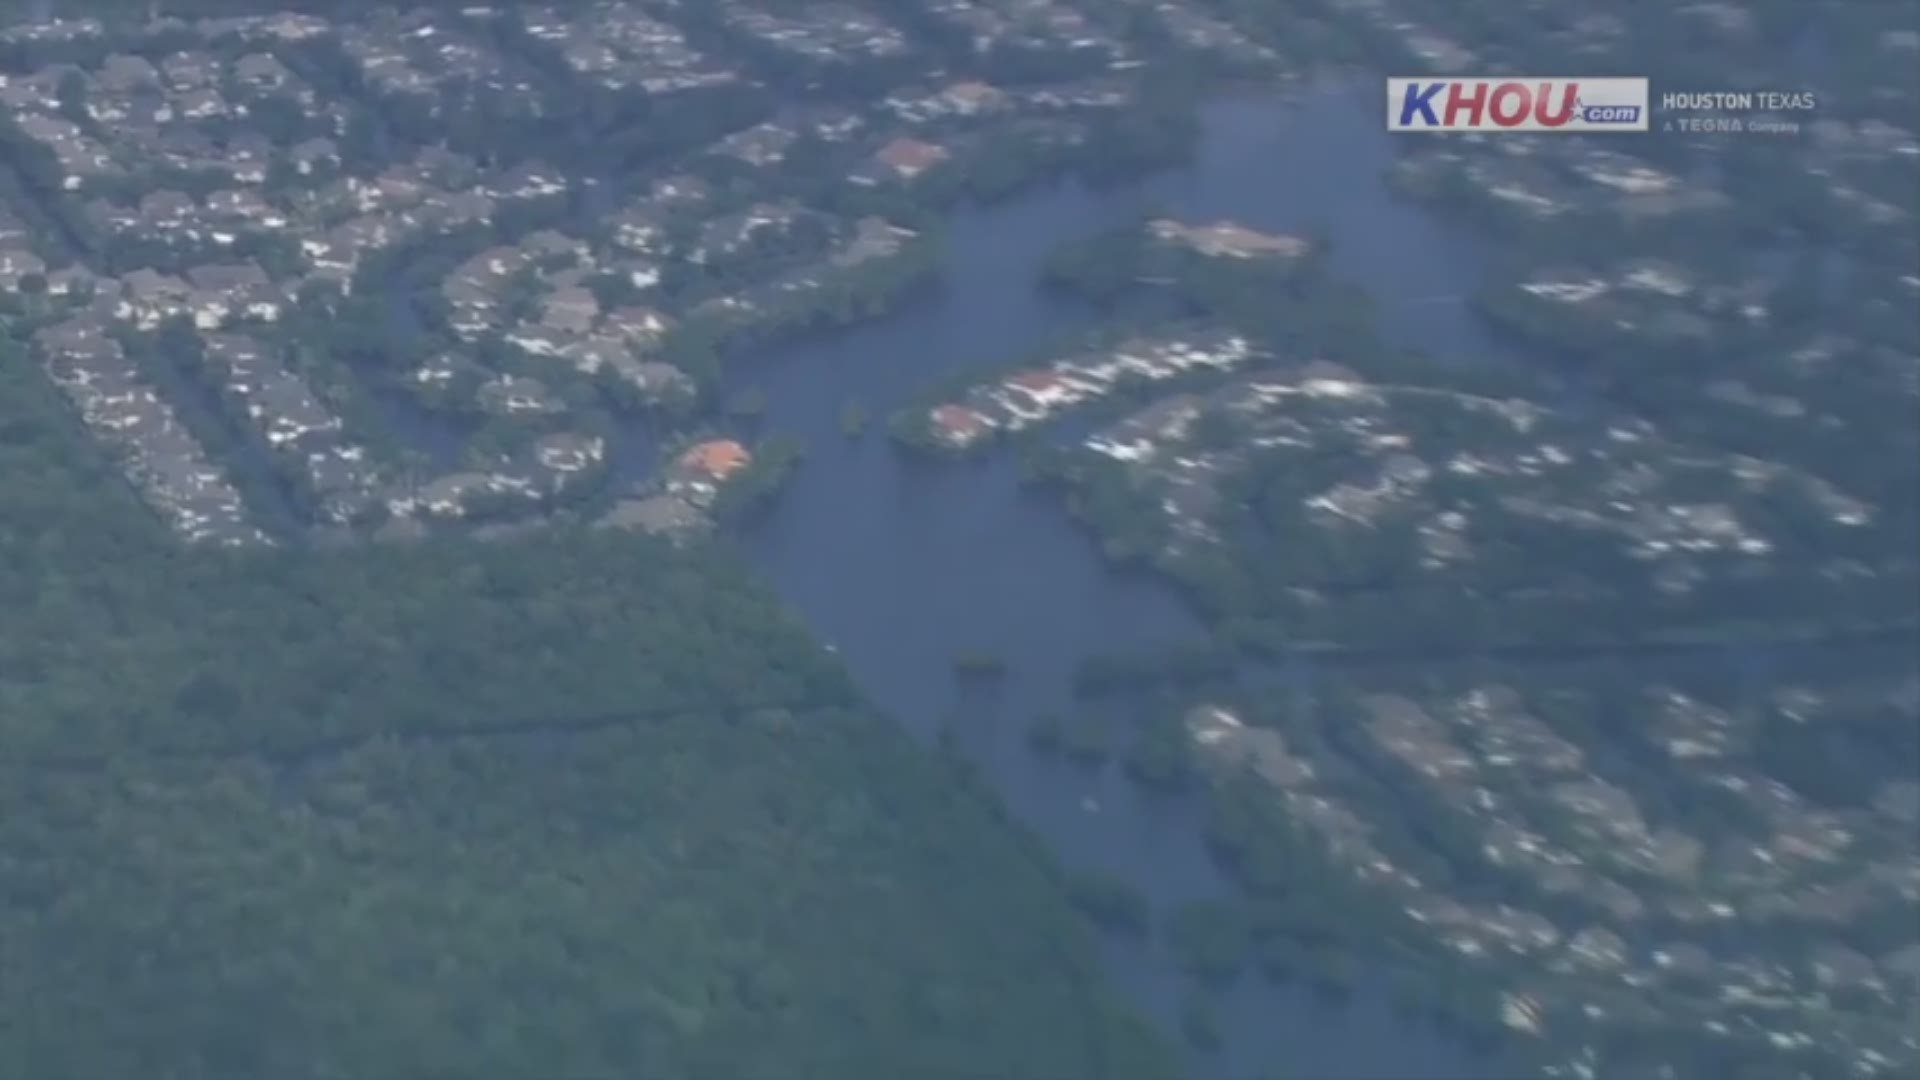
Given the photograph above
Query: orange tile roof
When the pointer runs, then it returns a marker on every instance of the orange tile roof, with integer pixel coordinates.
(719, 459)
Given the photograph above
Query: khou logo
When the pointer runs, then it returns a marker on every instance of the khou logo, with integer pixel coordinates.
(1545, 103)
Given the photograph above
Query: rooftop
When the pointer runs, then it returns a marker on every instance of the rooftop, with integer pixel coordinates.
(716, 459)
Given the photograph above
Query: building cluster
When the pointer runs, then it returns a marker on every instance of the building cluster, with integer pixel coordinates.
(947, 121)
(770, 300)
(733, 236)
(53, 31)
(552, 307)
(1710, 222)
(1199, 32)
(1594, 885)
(619, 46)
(1519, 462)
(767, 143)
(1533, 182)
(1028, 397)
(1040, 26)
(210, 296)
(682, 497)
(1611, 917)
(1653, 300)
(538, 295)
(342, 475)
(164, 462)
(18, 262)
(245, 175)
(823, 33)
(210, 214)
(130, 116)
(553, 465)
(1673, 885)
(1591, 884)
(167, 161)
(1663, 307)
(433, 59)
(962, 99)
(933, 125)
(1417, 39)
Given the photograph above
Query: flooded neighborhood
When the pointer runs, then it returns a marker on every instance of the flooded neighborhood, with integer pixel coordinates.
(1460, 589)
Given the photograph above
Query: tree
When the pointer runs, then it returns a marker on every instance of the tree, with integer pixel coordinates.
(71, 95)
(750, 403)
(1209, 940)
(1199, 1025)
(1111, 902)
(280, 118)
(1161, 757)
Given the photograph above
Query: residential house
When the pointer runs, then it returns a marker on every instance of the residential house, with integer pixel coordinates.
(903, 158)
(149, 298)
(570, 310)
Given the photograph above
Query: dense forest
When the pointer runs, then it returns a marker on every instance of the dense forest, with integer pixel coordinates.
(578, 806)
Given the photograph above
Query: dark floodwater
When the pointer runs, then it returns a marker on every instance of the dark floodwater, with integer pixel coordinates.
(900, 565)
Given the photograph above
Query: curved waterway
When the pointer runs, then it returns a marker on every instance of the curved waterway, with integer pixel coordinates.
(901, 565)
